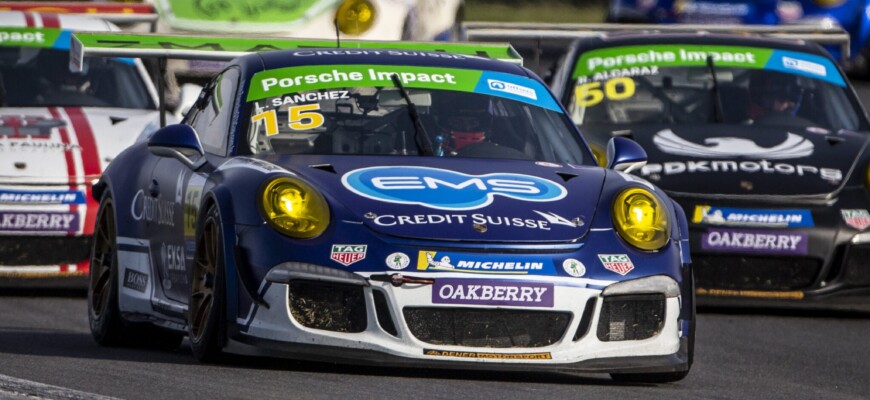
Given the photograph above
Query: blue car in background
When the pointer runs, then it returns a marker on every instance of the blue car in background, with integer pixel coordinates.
(850, 15)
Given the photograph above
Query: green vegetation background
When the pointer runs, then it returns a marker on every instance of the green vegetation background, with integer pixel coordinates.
(536, 10)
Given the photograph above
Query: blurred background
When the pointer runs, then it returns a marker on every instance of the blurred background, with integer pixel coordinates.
(536, 10)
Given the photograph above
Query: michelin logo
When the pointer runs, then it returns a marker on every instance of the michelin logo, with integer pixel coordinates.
(484, 263)
(512, 88)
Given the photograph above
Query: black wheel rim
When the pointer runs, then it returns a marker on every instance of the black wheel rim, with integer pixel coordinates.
(101, 263)
(202, 288)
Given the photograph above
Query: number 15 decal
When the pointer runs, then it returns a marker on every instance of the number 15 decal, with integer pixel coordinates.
(299, 118)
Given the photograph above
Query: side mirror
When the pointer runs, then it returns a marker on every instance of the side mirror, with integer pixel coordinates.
(180, 142)
(624, 154)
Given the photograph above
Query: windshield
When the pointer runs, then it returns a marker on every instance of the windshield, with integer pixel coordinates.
(38, 77)
(357, 109)
(675, 85)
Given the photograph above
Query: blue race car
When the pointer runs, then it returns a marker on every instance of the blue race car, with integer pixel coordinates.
(408, 208)
(850, 15)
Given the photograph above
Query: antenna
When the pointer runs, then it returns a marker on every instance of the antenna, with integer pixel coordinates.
(337, 33)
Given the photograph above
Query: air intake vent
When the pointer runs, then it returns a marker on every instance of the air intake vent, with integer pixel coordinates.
(486, 328)
(382, 310)
(338, 308)
(633, 317)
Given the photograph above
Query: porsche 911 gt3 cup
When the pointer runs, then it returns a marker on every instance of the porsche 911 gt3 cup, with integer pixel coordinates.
(58, 131)
(404, 207)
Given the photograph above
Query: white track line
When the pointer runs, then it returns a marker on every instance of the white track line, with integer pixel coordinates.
(14, 388)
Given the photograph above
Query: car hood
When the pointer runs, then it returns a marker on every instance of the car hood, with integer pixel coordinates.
(748, 160)
(457, 199)
(64, 145)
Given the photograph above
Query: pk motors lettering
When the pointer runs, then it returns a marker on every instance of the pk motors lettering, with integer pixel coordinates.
(752, 217)
(764, 242)
(492, 292)
(152, 209)
(447, 190)
(39, 221)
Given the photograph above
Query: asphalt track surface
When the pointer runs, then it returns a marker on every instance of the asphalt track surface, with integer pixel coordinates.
(46, 351)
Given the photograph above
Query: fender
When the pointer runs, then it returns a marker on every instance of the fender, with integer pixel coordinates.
(683, 225)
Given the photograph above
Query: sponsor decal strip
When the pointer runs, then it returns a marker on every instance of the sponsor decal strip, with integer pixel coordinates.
(39, 221)
(764, 242)
(606, 63)
(752, 217)
(282, 81)
(496, 356)
(42, 197)
(492, 292)
(482, 263)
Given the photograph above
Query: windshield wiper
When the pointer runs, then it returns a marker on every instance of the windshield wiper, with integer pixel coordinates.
(424, 144)
(717, 98)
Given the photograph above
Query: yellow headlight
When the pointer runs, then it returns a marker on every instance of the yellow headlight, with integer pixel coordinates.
(641, 219)
(294, 208)
(355, 17)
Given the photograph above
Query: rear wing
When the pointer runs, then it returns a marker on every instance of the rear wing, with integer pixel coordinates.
(216, 48)
(543, 44)
(117, 13)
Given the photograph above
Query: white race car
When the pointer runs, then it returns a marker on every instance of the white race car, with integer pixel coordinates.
(58, 132)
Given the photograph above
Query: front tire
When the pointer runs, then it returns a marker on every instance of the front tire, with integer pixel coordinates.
(206, 329)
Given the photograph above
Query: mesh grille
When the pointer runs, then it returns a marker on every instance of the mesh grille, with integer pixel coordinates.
(857, 267)
(632, 317)
(43, 250)
(755, 273)
(338, 308)
(486, 328)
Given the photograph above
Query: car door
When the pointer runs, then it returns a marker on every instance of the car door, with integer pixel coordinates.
(180, 188)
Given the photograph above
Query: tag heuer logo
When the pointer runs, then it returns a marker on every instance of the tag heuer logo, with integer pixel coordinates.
(858, 219)
(619, 263)
(347, 254)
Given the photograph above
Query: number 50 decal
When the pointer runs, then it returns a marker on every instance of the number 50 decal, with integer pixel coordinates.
(299, 118)
(590, 94)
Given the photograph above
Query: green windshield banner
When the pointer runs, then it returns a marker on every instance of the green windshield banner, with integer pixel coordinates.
(618, 58)
(281, 81)
(604, 64)
(29, 37)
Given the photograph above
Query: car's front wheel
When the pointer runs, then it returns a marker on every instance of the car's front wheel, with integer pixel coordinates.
(205, 325)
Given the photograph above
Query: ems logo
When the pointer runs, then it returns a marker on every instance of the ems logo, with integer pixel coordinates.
(619, 263)
(347, 254)
(858, 219)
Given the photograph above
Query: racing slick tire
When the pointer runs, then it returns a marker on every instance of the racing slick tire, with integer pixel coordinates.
(205, 325)
(104, 316)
